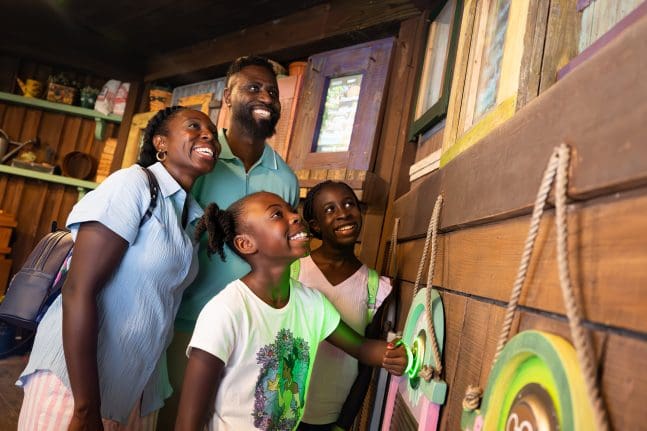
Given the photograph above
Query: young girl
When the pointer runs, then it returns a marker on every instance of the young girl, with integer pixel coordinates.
(337, 387)
(254, 343)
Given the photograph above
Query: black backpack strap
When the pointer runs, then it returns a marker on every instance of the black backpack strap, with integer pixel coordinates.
(154, 189)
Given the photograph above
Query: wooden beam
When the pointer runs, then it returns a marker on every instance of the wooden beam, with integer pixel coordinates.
(607, 252)
(601, 119)
(309, 26)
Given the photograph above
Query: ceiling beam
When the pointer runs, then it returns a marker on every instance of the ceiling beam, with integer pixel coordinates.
(306, 27)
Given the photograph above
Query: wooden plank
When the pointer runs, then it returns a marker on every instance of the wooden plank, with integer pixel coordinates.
(455, 308)
(460, 73)
(499, 176)
(307, 27)
(624, 380)
(470, 358)
(533, 51)
(561, 40)
(607, 256)
(393, 147)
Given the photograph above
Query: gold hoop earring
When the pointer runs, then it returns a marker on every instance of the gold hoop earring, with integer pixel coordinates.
(160, 155)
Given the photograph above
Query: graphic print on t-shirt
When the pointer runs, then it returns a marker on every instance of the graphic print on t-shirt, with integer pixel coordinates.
(280, 389)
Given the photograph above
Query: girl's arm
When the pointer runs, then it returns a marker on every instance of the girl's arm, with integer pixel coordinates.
(199, 389)
(359, 389)
(97, 253)
(376, 353)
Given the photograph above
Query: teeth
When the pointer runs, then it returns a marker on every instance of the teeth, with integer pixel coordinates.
(347, 227)
(300, 235)
(263, 113)
(204, 150)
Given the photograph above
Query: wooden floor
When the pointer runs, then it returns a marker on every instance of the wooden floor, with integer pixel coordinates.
(10, 394)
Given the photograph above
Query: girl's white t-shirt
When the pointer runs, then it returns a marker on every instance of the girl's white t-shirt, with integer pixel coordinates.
(268, 354)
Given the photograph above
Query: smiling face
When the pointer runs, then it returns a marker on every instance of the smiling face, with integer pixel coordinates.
(253, 95)
(275, 229)
(337, 216)
(191, 146)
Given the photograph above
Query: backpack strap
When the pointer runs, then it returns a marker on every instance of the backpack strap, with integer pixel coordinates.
(372, 286)
(295, 268)
(154, 188)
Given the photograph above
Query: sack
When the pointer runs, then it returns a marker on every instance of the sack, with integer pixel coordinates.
(35, 286)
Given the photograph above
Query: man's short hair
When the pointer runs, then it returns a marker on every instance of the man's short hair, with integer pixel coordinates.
(249, 60)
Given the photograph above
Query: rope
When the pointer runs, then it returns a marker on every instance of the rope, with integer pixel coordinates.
(581, 340)
(557, 170)
(538, 210)
(393, 265)
(426, 372)
(472, 398)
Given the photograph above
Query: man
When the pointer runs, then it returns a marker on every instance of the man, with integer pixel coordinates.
(247, 164)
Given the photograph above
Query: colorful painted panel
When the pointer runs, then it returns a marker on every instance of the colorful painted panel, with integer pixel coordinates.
(535, 385)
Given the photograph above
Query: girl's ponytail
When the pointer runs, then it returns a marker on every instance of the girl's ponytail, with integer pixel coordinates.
(219, 225)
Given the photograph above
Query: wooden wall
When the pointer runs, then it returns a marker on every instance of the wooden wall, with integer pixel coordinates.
(488, 193)
(34, 203)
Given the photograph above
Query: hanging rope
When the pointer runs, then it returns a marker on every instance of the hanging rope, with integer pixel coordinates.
(427, 372)
(393, 265)
(557, 170)
(538, 210)
(582, 343)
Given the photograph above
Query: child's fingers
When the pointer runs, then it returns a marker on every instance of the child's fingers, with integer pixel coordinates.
(395, 359)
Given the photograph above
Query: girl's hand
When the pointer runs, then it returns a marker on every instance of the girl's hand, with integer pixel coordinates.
(395, 358)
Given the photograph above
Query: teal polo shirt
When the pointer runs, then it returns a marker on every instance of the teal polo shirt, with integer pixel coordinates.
(227, 183)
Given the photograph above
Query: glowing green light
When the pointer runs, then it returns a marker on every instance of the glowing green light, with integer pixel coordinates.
(415, 355)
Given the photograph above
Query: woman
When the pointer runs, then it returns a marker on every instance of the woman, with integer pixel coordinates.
(98, 355)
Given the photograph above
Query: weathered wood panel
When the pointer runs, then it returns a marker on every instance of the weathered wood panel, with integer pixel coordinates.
(607, 250)
(305, 27)
(499, 177)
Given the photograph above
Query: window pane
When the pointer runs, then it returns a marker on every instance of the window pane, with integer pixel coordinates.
(492, 56)
(431, 79)
(338, 117)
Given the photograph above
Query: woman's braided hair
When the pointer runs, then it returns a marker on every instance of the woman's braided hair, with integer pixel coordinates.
(308, 202)
(221, 227)
(158, 125)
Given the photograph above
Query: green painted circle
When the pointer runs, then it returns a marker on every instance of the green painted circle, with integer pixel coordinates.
(535, 357)
(531, 370)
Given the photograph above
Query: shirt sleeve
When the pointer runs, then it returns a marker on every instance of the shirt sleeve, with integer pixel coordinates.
(215, 330)
(119, 203)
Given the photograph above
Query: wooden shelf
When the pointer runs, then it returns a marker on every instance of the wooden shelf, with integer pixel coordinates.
(82, 185)
(67, 109)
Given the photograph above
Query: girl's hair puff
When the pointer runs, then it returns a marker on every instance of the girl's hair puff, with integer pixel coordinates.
(308, 202)
(221, 227)
(158, 125)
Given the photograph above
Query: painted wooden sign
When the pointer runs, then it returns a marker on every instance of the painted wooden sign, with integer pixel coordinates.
(535, 385)
(422, 399)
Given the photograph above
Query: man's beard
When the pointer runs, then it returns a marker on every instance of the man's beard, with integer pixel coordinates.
(261, 129)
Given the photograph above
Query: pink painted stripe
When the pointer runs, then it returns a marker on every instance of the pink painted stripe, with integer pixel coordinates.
(390, 402)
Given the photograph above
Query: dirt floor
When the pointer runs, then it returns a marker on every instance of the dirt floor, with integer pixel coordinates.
(10, 394)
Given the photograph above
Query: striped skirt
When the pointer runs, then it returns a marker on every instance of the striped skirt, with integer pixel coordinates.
(48, 406)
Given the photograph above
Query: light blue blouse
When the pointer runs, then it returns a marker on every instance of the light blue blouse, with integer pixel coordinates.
(137, 306)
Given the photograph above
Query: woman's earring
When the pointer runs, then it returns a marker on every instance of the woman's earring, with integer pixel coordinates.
(160, 155)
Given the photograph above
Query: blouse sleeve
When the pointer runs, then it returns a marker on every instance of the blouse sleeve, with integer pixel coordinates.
(119, 203)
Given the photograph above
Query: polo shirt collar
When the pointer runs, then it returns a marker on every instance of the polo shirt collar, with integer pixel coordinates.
(268, 158)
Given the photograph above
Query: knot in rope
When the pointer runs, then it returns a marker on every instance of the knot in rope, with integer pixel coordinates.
(472, 398)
